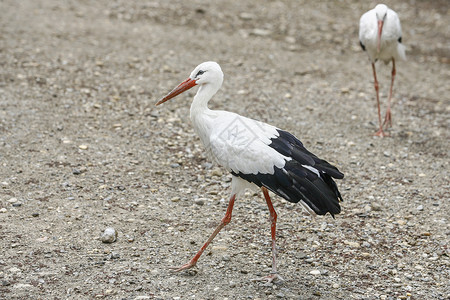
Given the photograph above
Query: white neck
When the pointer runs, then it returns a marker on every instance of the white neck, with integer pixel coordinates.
(200, 104)
(201, 116)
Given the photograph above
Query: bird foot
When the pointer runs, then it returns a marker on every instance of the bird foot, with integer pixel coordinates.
(381, 133)
(274, 277)
(388, 119)
(187, 266)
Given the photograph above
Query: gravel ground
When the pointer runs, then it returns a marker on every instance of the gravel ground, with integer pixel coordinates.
(83, 148)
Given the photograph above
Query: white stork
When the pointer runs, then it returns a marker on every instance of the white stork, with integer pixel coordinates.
(380, 34)
(257, 155)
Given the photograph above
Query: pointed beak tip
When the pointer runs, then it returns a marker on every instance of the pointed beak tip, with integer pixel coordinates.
(184, 86)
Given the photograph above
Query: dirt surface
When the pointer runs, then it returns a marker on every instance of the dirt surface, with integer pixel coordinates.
(83, 148)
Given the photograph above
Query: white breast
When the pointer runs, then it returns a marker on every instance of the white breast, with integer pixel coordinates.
(238, 143)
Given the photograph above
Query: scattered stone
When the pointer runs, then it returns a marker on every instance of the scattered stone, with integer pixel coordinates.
(3, 210)
(23, 286)
(35, 214)
(199, 202)
(83, 147)
(5, 283)
(246, 16)
(345, 90)
(401, 222)
(375, 206)
(12, 200)
(14, 270)
(175, 199)
(290, 39)
(219, 248)
(309, 260)
(216, 172)
(352, 244)
(315, 272)
(419, 208)
(109, 235)
(260, 32)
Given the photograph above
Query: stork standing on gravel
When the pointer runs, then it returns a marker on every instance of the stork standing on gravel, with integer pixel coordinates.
(380, 35)
(257, 155)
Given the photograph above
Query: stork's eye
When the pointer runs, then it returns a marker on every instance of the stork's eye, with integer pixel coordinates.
(199, 73)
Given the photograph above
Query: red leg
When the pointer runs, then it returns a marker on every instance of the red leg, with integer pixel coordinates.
(380, 132)
(387, 118)
(273, 219)
(222, 224)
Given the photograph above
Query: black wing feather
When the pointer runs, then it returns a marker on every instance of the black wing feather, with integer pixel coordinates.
(295, 182)
(362, 46)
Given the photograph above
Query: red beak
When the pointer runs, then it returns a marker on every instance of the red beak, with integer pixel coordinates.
(380, 29)
(184, 86)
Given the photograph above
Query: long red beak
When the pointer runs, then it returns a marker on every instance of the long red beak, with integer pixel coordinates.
(184, 86)
(380, 29)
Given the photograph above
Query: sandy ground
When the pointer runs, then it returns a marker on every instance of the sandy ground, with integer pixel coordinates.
(83, 148)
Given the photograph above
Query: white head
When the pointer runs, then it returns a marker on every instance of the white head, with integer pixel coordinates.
(381, 12)
(205, 73)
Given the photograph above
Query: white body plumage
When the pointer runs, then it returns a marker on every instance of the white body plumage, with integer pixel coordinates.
(390, 42)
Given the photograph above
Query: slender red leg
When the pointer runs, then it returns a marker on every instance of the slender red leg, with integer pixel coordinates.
(387, 118)
(380, 132)
(273, 219)
(222, 224)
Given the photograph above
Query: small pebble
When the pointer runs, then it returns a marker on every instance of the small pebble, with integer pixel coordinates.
(260, 32)
(83, 147)
(315, 272)
(6, 283)
(352, 244)
(199, 202)
(419, 208)
(12, 200)
(109, 235)
(35, 214)
(3, 210)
